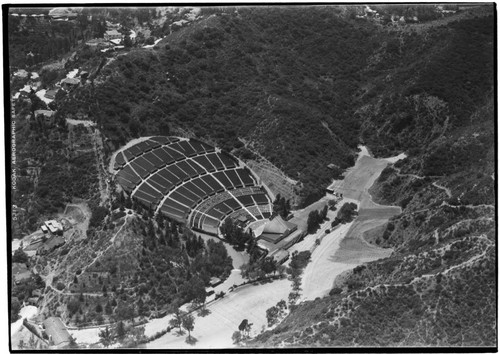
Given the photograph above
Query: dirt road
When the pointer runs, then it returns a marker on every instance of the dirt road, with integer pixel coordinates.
(215, 330)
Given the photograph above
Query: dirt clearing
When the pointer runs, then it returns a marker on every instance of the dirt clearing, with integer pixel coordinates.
(215, 330)
(344, 248)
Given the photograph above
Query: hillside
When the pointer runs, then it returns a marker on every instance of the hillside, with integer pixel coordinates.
(230, 75)
(430, 97)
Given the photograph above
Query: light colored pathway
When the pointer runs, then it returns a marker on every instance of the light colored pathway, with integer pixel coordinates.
(215, 330)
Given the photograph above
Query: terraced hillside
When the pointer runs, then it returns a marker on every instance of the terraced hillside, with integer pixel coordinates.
(191, 182)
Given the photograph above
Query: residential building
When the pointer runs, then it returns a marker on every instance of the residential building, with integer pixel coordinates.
(51, 94)
(54, 227)
(98, 43)
(112, 34)
(48, 116)
(70, 83)
(214, 281)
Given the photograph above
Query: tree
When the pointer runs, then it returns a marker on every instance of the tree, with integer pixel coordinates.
(98, 215)
(245, 327)
(324, 212)
(176, 321)
(281, 206)
(293, 296)
(272, 315)
(296, 283)
(15, 307)
(281, 305)
(72, 343)
(108, 309)
(120, 330)
(124, 312)
(127, 42)
(20, 256)
(236, 337)
(32, 342)
(188, 324)
(105, 337)
(312, 221)
(73, 306)
(269, 265)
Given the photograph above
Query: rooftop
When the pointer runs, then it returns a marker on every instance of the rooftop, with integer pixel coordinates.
(71, 81)
(44, 112)
(280, 255)
(277, 226)
(52, 92)
(113, 32)
(57, 330)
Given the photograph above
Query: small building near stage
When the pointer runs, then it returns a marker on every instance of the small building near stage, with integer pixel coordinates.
(276, 230)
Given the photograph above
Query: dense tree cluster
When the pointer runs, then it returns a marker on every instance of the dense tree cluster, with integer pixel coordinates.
(281, 206)
(345, 214)
(63, 172)
(241, 240)
(169, 266)
(315, 218)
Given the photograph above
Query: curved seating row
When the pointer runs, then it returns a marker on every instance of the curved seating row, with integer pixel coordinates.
(189, 179)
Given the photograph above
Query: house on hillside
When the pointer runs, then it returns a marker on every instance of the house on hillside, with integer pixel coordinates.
(84, 75)
(22, 96)
(21, 73)
(276, 230)
(214, 281)
(55, 329)
(47, 116)
(51, 94)
(98, 43)
(110, 25)
(33, 300)
(54, 227)
(70, 83)
(112, 34)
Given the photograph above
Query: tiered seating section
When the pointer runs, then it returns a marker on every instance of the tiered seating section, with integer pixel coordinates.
(188, 180)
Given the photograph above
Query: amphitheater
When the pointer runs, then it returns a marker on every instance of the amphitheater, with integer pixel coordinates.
(191, 182)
